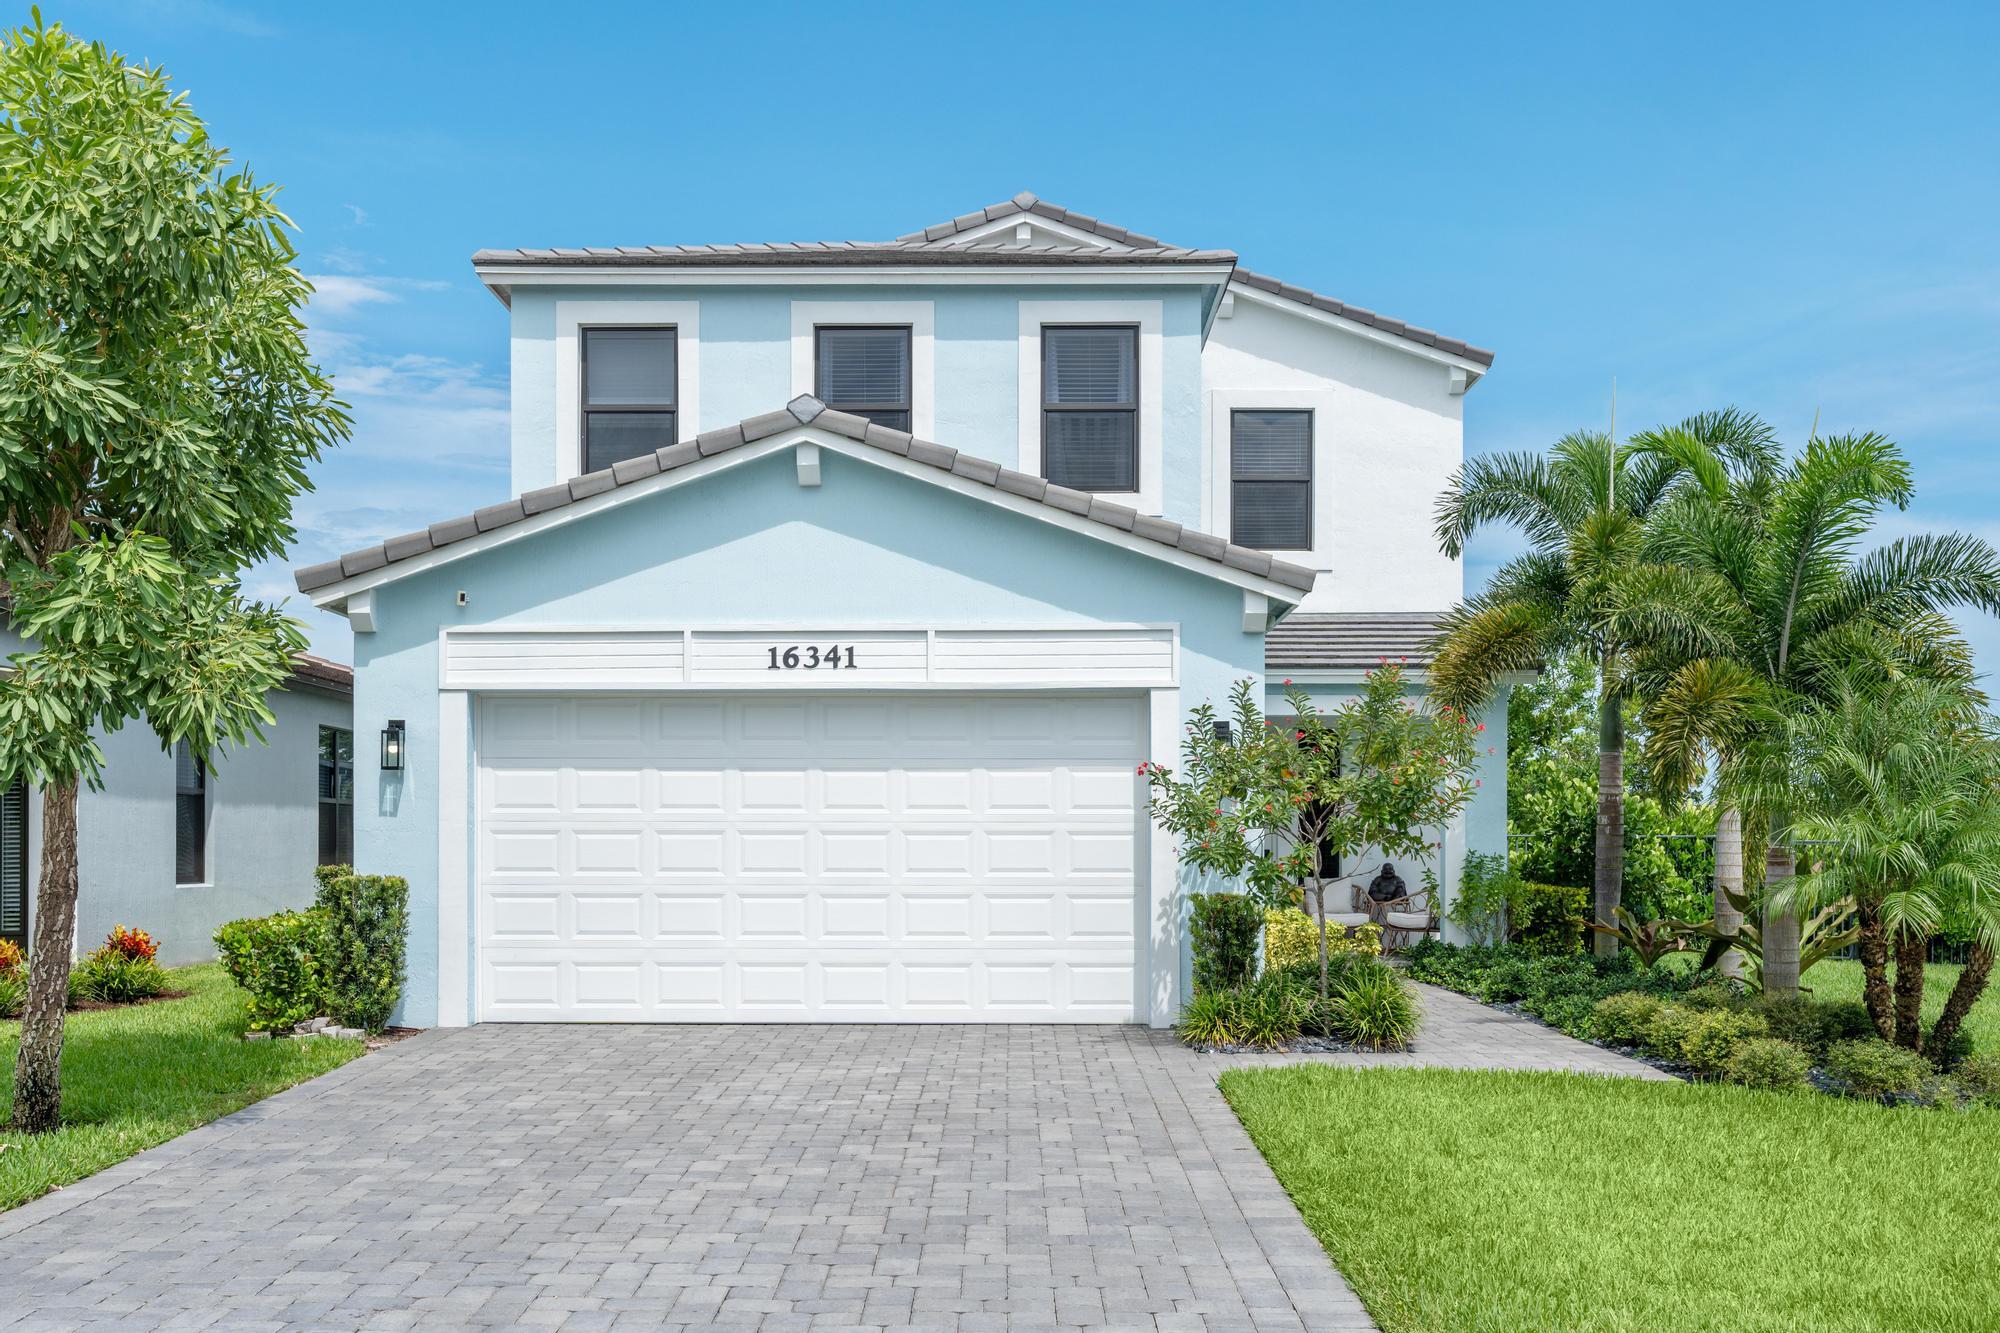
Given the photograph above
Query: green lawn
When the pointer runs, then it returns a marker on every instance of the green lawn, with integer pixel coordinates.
(138, 1076)
(1840, 979)
(1490, 1201)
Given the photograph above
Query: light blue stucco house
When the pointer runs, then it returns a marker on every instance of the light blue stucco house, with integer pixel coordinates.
(174, 847)
(843, 590)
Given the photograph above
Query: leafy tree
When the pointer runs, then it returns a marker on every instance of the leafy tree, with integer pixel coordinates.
(1272, 801)
(1583, 507)
(1750, 599)
(157, 415)
(1897, 792)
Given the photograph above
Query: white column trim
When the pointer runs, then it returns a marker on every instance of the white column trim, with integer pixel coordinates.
(455, 857)
(1151, 319)
(1164, 906)
(685, 316)
(921, 316)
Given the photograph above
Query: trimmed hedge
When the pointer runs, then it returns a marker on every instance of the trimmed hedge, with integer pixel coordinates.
(1223, 930)
(343, 957)
(281, 961)
(1292, 936)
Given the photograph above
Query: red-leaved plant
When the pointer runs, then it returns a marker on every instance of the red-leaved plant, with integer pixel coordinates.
(134, 944)
(12, 960)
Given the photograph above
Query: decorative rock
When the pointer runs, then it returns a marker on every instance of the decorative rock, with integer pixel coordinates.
(256, 1036)
(351, 1034)
(320, 1024)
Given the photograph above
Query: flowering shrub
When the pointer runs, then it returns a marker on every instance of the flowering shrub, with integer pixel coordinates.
(12, 961)
(134, 944)
(1292, 936)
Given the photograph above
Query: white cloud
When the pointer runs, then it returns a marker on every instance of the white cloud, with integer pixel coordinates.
(360, 214)
(338, 294)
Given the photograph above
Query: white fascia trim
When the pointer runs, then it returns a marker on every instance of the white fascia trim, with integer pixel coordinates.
(1217, 506)
(572, 316)
(1089, 240)
(503, 278)
(921, 316)
(1473, 370)
(1151, 319)
(333, 595)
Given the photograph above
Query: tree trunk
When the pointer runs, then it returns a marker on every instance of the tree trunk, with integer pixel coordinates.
(38, 1067)
(1874, 945)
(1781, 924)
(1971, 984)
(1320, 899)
(1912, 952)
(1728, 881)
(1610, 821)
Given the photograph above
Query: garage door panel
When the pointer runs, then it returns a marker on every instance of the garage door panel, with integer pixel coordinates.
(820, 859)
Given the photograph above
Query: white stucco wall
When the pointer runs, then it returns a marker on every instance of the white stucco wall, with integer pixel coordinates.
(1387, 434)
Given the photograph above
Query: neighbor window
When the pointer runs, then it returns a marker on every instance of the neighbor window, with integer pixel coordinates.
(14, 863)
(190, 816)
(1270, 479)
(336, 796)
(630, 393)
(865, 371)
(1090, 406)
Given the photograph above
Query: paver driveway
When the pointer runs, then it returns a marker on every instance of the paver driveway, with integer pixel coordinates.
(777, 1177)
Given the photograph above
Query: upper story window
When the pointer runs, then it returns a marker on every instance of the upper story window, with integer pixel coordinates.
(1090, 406)
(864, 370)
(190, 816)
(630, 393)
(336, 796)
(1270, 479)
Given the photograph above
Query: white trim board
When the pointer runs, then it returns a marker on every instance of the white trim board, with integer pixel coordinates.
(571, 316)
(333, 596)
(921, 316)
(1151, 318)
(1400, 342)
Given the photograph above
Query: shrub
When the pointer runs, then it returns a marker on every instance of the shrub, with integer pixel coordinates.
(1766, 1062)
(129, 943)
(1663, 1035)
(280, 960)
(1269, 1013)
(108, 976)
(1292, 936)
(1978, 1077)
(1714, 995)
(1224, 929)
(1624, 1018)
(367, 923)
(1374, 1009)
(1549, 918)
(1567, 1013)
(13, 992)
(12, 960)
(1205, 1020)
(1712, 1036)
(1874, 1068)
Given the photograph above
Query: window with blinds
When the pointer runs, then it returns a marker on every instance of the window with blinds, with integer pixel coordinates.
(14, 863)
(631, 393)
(866, 371)
(1090, 406)
(336, 796)
(1270, 479)
(190, 816)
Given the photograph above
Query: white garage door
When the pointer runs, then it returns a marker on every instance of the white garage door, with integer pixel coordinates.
(844, 859)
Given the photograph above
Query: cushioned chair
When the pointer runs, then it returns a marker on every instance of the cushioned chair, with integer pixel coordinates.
(1408, 919)
(1357, 913)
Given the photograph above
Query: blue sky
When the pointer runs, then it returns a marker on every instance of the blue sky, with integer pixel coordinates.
(1792, 209)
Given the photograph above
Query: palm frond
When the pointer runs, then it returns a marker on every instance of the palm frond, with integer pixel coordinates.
(1912, 575)
(1520, 489)
(1478, 644)
(1707, 708)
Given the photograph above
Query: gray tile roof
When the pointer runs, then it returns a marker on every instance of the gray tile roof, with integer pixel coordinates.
(805, 410)
(836, 253)
(940, 239)
(323, 672)
(1348, 640)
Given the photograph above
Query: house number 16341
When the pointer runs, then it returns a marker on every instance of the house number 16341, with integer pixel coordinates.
(834, 657)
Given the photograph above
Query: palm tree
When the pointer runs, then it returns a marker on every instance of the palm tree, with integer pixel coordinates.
(1750, 601)
(1896, 787)
(1584, 508)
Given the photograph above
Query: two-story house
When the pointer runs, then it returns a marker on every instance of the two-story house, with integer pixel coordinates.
(845, 587)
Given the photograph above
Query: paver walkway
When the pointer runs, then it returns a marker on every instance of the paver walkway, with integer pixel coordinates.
(773, 1177)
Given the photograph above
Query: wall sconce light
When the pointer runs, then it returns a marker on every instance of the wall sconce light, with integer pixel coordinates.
(392, 746)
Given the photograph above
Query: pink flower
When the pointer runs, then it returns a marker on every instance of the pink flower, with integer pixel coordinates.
(1477, 783)
(1288, 680)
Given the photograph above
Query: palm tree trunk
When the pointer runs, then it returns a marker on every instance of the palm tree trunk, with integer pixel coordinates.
(1781, 923)
(1971, 984)
(1874, 944)
(38, 1065)
(1728, 882)
(1610, 820)
(1912, 952)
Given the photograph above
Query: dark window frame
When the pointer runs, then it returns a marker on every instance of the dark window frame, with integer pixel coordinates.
(584, 408)
(198, 852)
(1312, 445)
(338, 855)
(908, 408)
(16, 813)
(1138, 451)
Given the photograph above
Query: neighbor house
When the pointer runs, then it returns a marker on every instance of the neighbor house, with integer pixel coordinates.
(844, 589)
(175, 847)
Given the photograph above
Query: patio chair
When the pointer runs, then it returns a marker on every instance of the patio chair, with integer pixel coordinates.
(1407, 919)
